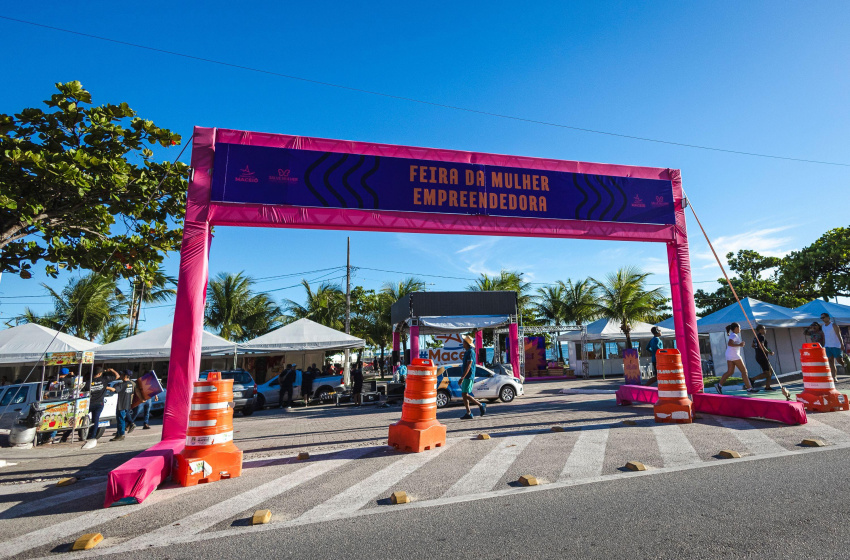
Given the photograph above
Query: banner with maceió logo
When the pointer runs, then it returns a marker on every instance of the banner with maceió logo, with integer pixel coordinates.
(283, 176)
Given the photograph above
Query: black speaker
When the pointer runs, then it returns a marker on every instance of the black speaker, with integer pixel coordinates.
(482, 355)
(407, 357)
(395, 358)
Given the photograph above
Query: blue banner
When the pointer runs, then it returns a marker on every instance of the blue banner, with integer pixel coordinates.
(281, 176)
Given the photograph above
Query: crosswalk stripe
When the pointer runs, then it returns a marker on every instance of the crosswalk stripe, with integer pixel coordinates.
(204, 519)
(676, 450)
(833, 435)
(487, 472)
(359, 495)
(78, 524)
(587, 456)
(13, 510)
(756, 441)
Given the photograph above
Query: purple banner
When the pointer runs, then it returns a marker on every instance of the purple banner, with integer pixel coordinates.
(281, 176)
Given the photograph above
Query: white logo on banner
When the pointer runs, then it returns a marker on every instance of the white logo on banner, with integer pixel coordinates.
(450, 353)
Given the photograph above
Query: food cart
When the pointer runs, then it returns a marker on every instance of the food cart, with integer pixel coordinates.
(63, 406)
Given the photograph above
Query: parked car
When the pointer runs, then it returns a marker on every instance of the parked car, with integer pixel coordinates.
(324, 389)
(17, 400)
(244, 389)
(487, 385)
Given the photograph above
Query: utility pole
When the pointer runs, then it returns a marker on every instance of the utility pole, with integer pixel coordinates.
(347, 366)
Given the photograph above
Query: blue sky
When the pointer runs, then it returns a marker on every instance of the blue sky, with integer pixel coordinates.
(755, 77)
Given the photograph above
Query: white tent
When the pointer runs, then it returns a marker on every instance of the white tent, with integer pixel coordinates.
(156, 343)
(302, 335)
(813, 310)
(759, 312)
(27, 343)
(608, 330)
(668, 323)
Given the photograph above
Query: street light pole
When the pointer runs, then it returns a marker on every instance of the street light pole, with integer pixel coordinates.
(347, 365)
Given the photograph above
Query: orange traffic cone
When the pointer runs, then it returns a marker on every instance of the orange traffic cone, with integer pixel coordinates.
(418, 430)
(673, 404)
(209, 454)
(819, 392)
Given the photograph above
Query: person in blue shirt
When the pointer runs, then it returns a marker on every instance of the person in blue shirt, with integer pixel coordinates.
(655, 344)
(468, 378)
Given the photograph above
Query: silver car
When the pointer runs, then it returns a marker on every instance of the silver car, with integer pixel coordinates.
(244, 389)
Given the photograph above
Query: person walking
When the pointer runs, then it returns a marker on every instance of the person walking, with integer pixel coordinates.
(759, 342)
(655, 344)
(467, 379)
(734, 344)
(400, 373)
(307, 386)
(357, 383)
(285, 381)
(125, 400)
(815, 333)
(97, 389)
(832, 342)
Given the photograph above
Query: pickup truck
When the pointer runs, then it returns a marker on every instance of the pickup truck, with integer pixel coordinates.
(324, 389)
(16, 402)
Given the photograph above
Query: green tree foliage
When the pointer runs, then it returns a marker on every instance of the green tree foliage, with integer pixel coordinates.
(623, 297)
(325, 306)
(78, 182)
(87, 306)
(511, 281)
(370, 318)
(236, 311)
(579, 301)
(821, 270)
(397, 290)
(753, 279)
(157, 288)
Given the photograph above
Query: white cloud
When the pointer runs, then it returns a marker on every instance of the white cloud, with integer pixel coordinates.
(766, 241)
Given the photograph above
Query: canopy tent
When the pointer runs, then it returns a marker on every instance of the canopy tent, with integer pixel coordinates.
(302, 335)
(27, 343)
(759, 312)
(156, 343)
(460, 323)
(668, 324)
(609, 330)
(814, 309)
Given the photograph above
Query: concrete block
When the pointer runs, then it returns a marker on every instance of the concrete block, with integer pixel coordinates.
(629, 423)
(812, 443)
(558, 428)
(87, 541)
(303, 456)
(400, 497)
(635, 466)
(261, 517)
(729, 454)
(67, 481)
(528, 480)
(483, 436)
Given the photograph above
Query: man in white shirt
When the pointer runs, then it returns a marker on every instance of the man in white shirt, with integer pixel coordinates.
(832, 342)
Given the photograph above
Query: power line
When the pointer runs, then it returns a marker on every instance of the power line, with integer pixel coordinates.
(420, 101)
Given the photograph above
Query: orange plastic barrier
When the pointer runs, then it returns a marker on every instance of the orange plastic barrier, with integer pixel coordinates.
(673, 404)
(819, 392)
(418, 430)
(209, 454)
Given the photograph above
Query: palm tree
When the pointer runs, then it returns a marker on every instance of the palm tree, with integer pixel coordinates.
(236, 311)
(157, 287)
(579, 301)
(510, 281)
(86, 306)
(30, 316)
(549, 306)
(624, 298)
(325, 306)
(398, 290)
(114, 331)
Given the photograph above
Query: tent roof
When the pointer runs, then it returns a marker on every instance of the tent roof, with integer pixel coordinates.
(609, 330)
(26, 343)
(759, 312)
(668, 323)
(302, 335)
(812, 311)
(156, 343)
(460, 323)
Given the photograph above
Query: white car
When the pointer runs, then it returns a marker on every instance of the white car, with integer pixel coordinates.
(487, 385)
(324, 389)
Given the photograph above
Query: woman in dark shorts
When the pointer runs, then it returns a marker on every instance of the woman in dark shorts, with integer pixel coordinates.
(761, 358)
(357, 381)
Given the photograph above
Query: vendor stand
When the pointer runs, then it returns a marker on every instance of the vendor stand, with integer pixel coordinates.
(63, 406)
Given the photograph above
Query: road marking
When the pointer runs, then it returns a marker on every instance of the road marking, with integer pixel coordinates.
(487, 472)
(78, 524)
(204, 519)
(587, 456)
(13, 510)
(832, 435)
(359, 495)
(753, 438)
(676, 450)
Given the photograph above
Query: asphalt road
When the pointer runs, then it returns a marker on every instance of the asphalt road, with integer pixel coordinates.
(785, 507)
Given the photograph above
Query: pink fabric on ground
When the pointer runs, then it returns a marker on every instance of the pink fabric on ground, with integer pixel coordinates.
(513, 337)
(134, 481)
(723, 405)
